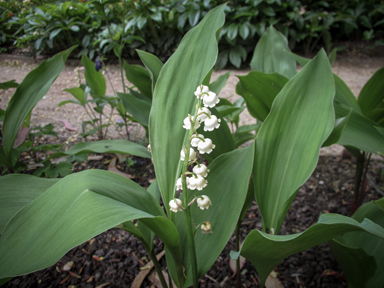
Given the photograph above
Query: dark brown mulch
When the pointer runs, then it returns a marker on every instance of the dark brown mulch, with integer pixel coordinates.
(328, 190)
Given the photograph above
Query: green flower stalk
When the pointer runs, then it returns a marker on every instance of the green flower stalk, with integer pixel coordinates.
(197, 179)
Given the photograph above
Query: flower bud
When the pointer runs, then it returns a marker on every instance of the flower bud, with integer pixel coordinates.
(206, 227)
(149, 148)
(203, 202)
(175, 205)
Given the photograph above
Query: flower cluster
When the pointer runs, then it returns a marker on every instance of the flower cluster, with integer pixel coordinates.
(195, 180)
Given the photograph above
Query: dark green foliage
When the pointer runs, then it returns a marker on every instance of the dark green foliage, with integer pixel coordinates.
(120, 27)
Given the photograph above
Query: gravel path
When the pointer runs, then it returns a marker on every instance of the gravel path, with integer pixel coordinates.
(355, 70)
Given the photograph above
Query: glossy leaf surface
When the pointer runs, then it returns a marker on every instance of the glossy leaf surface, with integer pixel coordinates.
(153, 65)
(64, 217)
(259, 91)
(371, 98)
(139, 77)
(271, 54)
(95, 79)
(288, 142)
(106, 146)
(265, 251)
(139, 108)
(30, 91)
(17, 191)
(367, 267)
(360, 132)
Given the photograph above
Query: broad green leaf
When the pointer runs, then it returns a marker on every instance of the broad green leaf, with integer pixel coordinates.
(9, 84)
(64, 217)
(225, 110)
(140, 78)
(34, 86)
(173, 97)
(138, 108)
(259, 91)
(301, 60)
(288, 142)
(241, 138)
(146, 234)
(357, 265)
(78, 93)
(365, 270)
(359, 132)
(18, 190)
(270, 54)
(337, 131)
(227, 188)
(106, 146)
(371, 97)
(266, 251)
(153, 65)
(219, 83)
(95, 79)
(344, 95)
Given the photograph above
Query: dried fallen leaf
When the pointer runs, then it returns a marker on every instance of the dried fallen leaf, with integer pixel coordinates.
(102, 285)
(67, 125)
(74, 275)
(65, 280)
(143, 273)
(68, 266)
(232, 264)
(273, 281)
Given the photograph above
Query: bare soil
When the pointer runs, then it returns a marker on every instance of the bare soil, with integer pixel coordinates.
(328, 190)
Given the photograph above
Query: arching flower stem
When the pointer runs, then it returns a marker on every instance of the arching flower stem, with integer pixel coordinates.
(187, 211)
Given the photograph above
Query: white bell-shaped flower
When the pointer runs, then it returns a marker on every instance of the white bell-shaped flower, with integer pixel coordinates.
(196, 139)
(192, 154)
(175, 205)
(203, 202)
(211, 123)
(201, 89)
(179, 183)
(205, 146)
(197, 182)
(201, 170)
(211, 99)
(203, 113)
(187, 123)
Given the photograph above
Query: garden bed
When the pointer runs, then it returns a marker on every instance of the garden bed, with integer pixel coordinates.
(114, 258)
(121, 255)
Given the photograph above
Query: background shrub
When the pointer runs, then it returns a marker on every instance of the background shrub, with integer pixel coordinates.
(100, 27)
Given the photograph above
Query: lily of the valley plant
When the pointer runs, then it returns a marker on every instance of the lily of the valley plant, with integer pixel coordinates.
(64, 213)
